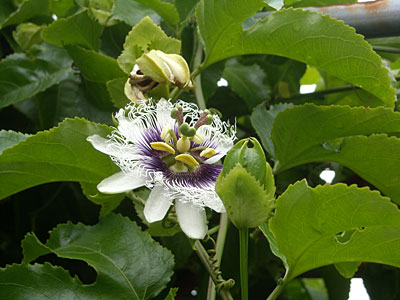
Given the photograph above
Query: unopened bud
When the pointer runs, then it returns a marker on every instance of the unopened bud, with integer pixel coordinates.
(246, 185)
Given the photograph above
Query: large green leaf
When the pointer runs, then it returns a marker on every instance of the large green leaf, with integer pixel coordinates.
(78, 29)
(131, 12)
(10, 138)
(247, 82)
(22, 77)
(144, 37)
(26, 10)
(263, 120)
(301, 35)
(312, 133)
(329, 224)
(129, 264)
(166, 10)
(6, 9)
(60, 154)
(96, 69)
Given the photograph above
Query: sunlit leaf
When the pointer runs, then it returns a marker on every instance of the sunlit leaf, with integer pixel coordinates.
(131, 12)
(354, 137)
(26, 10)
(9, 138)
(144, 37)
(127, 261)
(78, 29)
(301, 35)
(60, 154)
(22, 77)
(329, 224)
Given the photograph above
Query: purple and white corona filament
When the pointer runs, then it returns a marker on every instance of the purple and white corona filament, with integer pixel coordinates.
(172, 149)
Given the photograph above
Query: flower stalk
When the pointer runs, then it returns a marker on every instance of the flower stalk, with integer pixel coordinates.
(244, 246)
(219, 249)
(222, 285)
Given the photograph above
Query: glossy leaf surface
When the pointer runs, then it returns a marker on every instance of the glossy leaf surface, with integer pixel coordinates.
(328, 224)
(301, 35)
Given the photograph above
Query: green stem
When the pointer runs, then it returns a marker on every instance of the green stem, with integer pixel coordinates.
(279, 288)
(197, 78)
(244, 244)
(386, 49)
(219, 249)
(205, 259)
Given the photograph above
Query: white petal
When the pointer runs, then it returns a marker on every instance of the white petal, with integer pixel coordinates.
(157, 204)
(215, 158)
(215, 203)
(192, 219)
(121, 182)
(99, 143)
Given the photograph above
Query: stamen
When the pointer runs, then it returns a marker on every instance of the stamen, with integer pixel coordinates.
(209, 152)
(168, 133)
(187, 159)
(198, 138)
(163, 147)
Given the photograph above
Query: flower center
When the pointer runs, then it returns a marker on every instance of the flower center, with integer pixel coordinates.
(181, 154)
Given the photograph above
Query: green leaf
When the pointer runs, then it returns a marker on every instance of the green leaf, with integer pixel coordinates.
(247, 82)
(337, 286)
(67, 100)
(347, 269)
(22, 77)
(44, 282)
(60, 154)
(131, 12)
(61, 8)
(115, 88)
(27, 10)
(108, 202)
(186, 8)
(332, 224)
(10, 138)
(339, 138)
(166, 10)
(127, 260)
(96, 69)
(172, 294)
(305, 36)
(144, 37)
(6, 9)
(263, 120)
(27, 34)
(276, 4)
(78, 29)
(95, 66)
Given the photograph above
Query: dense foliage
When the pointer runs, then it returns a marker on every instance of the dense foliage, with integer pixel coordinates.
(63, 75)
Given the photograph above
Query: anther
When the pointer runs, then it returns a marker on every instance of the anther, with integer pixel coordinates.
(209, 152)
(163, 147)
(187, 159)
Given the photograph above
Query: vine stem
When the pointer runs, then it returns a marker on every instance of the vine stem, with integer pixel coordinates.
(219, 249)
(205, 259)
(244, 244)
(279, 288)
(197, 78)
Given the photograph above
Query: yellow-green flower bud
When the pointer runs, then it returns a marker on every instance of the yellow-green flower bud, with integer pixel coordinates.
(165, 68)
(246, 185)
